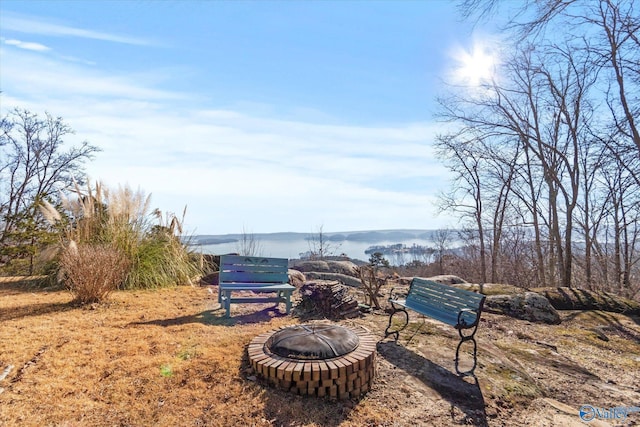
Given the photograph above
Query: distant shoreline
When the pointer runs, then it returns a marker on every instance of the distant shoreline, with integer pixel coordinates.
(296, 245)
(372, 236)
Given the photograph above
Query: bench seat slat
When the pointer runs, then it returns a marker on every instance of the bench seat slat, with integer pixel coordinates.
(259, 287)
(254, 300)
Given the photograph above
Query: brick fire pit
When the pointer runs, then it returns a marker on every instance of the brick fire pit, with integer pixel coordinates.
(316, 359)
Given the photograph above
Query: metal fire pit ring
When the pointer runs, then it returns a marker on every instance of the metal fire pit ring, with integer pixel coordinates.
(316, 373)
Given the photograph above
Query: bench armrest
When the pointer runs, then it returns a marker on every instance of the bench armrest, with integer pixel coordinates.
(463, 323)
(392, 295)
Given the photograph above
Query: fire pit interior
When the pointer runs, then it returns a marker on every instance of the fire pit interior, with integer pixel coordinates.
(316, 359)
(313, 342)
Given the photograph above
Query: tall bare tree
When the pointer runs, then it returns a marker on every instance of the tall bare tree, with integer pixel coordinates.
(463, 157)
(532, 124)
(565, 100)
(34, 165)
(612, 28)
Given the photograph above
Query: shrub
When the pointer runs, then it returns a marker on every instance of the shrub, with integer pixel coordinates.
(93, 271)
(120, 219)
(160, 260)
(371, 283)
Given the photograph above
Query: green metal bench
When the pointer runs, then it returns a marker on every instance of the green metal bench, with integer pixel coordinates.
(256, 274)
(455, 307)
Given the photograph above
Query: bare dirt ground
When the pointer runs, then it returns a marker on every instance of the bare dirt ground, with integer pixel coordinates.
(170, 358)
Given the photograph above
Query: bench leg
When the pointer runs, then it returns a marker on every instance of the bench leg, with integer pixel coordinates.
(288, 302)
(285, 297)
(225, 302)
(465, 338)
(396, 333)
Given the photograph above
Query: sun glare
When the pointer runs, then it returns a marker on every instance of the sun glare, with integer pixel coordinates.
(476, 66)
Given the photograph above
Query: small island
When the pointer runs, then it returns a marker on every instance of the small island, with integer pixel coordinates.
(399, 248)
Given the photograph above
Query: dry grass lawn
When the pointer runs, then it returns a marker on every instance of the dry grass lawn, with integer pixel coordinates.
(164, 357)
(169, 358)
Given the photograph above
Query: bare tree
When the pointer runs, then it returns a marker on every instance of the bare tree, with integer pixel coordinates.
(566, 104)
(442, 239)
(249, 244)
(372, 281)
(612, 28)
(34, 165)
(624, 214)
(467, 199)
(483, 180)
(320, 247)
(530, 126)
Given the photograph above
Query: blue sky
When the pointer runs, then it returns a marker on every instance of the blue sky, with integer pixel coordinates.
(262, 116)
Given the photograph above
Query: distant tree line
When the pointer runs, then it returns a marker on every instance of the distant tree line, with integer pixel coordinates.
(546, 154)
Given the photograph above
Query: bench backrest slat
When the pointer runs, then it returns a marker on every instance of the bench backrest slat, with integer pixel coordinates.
(248, 277)
(436, 296)
(253, 261)
(259, 270)
(448, 296)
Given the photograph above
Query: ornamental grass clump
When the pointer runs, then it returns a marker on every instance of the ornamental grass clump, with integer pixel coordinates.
(92, 271)
(161, 259)
(121, 219)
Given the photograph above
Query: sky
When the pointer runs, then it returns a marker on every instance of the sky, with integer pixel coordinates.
(257, 116)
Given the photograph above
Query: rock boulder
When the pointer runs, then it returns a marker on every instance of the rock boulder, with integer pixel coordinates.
(296, 278)
(527, 306)
(341, 267)
(447, 279)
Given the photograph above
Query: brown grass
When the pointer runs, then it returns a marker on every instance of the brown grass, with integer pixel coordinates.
(163, 358)
(167, 357)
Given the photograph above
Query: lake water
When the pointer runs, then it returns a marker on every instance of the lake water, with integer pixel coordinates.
(293, 248)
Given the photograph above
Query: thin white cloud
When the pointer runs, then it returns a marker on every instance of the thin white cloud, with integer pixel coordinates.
(223, 172)
(27, 45)
(35, 75)
(223, 163)
(77, 60)
(34, 25)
